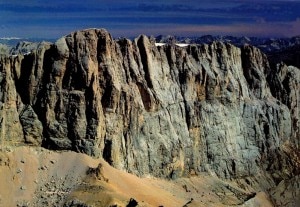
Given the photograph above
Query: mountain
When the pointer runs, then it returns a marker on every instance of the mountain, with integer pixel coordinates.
(289, 56)
(278, 50)
(170, 112)
(14, 45)
(13, 41)
(267, 45)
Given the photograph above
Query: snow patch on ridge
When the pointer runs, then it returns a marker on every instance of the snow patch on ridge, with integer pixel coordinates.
(10, 38)
(179, 44)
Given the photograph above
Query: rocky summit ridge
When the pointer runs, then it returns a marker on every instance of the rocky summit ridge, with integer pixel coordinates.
(163, 111)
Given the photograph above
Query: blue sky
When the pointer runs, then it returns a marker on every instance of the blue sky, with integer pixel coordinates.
(55, 18)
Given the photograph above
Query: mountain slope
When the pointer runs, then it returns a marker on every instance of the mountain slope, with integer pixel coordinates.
(163, 111)
(38, 177)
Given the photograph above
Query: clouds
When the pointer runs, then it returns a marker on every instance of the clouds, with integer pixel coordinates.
(130, 18)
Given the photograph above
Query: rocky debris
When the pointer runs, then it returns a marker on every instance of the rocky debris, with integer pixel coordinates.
(22, 182)
(189, 202)
(165, 111)
(53, 193)
(97, 173)
(4, 159)
(132, 203)
(186, 188)
(287, 192)
(23, 204)
(75, 203)
(60, 185)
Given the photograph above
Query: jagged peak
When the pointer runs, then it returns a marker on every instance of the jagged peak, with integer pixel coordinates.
(101, 32)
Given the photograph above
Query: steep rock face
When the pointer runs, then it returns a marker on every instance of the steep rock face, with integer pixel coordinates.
(11, 129)
(164, 111)
(285, 84)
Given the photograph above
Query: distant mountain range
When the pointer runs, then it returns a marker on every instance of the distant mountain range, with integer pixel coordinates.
(286, 50)
(13, 41)
(16, 45)
(267, 45)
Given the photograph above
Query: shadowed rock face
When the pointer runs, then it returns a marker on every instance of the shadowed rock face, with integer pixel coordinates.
(166, 111)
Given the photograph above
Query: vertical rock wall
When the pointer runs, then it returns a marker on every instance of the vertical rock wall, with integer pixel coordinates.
(165, 111)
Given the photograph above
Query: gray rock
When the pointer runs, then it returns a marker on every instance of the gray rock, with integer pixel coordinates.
(4, 49)
(165, 111)
(32, 127)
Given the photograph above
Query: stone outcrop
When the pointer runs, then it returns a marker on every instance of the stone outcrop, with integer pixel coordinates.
(164, 111)
(4, 49)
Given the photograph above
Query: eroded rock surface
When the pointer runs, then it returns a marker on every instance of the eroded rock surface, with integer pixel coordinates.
(164, 111)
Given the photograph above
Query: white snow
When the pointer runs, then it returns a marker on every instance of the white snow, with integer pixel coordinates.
(160, 44)
(182, 45)
(10, 38)
(179, 44)
(27, 53)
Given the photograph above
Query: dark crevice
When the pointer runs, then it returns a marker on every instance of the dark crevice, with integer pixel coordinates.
(90, 111)
(23, 83)
(168, 51)
(106, 98)
(233, 167)
(146, 97)
(107, 151)
(187, 115)
(40, 107)
(108, 88)
(145, 60)
(70, 65)
(182, 77)
(266, 130)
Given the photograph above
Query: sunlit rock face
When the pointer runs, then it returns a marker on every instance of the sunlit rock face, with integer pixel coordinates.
(160, 110)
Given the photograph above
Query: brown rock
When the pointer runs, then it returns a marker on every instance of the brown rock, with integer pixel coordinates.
(160, 110)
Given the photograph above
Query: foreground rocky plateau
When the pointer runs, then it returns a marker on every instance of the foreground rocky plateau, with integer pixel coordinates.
(214, 118)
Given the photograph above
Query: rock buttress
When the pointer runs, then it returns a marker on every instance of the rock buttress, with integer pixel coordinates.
(166, 111)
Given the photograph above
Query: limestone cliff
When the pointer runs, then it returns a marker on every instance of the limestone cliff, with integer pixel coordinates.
(165, 111)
